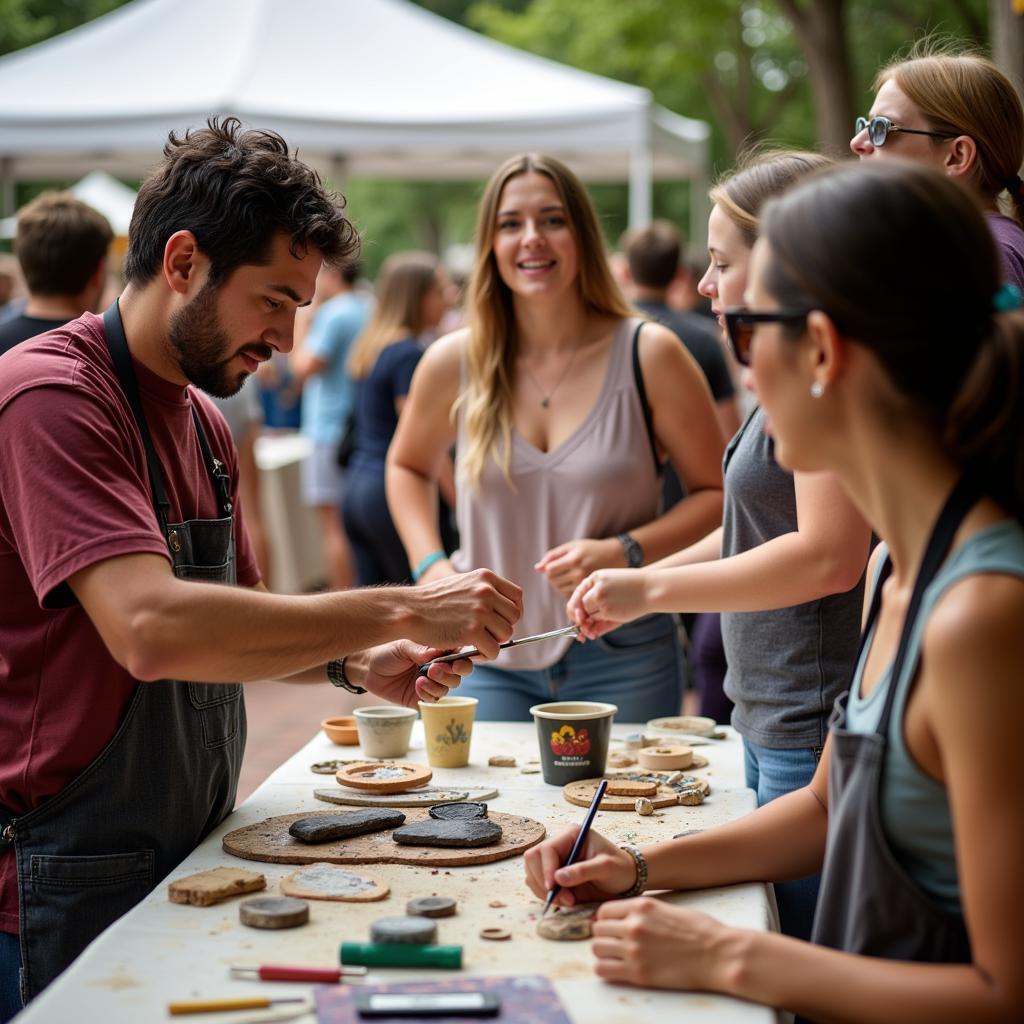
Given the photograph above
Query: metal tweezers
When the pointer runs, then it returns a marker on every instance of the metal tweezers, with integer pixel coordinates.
(473, 652)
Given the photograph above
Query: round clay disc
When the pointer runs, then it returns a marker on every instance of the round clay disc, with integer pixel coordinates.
(666, 758)
(394, 777)
(414, 930)
(570, 926)
(333, 882)
(450, 812)
(495, 934)
(273, 912)
(432, 906)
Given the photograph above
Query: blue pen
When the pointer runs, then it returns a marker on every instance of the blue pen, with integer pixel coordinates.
(580, 839)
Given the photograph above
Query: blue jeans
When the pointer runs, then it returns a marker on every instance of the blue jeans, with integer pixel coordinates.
(638, 667)
(10, 976)
(772, 773)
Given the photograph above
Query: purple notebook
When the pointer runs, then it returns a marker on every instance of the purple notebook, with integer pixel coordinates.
(529, 999)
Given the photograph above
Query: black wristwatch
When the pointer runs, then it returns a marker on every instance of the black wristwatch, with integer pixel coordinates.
(634, 553)
(336, 674)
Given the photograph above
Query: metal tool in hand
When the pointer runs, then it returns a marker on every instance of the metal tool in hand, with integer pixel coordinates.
(473, 652)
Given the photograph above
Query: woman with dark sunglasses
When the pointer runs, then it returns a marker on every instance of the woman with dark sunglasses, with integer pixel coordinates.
(785, 569)
(916, 813)
(956, 112)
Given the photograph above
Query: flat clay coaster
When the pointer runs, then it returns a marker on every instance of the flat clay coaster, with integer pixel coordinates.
(631, 788)
(273, 912)
(425, 796)
(269, 841)
(458, 834)
(326, 828)
(688, 789)
(566, 925)
(205, 888)
(384, 778)
(458, 812)
(432, 906)
(333, 882)
(416, 931)
(666, 757)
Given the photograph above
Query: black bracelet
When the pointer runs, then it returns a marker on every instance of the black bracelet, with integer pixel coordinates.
(336, 674)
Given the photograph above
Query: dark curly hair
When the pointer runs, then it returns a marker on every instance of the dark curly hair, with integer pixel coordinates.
(235, 188)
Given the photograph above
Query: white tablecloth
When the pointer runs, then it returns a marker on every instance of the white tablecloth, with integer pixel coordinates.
(161, 951)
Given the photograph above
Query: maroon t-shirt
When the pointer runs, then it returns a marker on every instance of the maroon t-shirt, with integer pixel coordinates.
(74, 491)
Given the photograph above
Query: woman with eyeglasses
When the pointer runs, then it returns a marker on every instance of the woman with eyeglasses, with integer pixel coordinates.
(562, 403)
(917, 811)
(785, 569)
(958, 113)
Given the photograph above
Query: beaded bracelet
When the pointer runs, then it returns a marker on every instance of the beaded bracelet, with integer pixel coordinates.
(641, 873)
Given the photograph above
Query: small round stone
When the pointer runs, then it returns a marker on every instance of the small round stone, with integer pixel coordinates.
(495, 934)
(273, 912)
(461, 811)
(566, 925)
(431, 906)
(644, 806)
(414, 930)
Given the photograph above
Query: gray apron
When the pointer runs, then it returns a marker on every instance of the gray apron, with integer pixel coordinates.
(166, 778)
(868, 904)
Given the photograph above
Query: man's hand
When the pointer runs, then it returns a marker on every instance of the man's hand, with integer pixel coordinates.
(567, 564)
(473, 609)
(392, 672)
(602, 871)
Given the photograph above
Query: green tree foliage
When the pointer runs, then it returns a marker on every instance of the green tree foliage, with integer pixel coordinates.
(25, 22)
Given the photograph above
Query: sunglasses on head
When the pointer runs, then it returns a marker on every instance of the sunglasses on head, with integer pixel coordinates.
(880, 127)
(740, 323)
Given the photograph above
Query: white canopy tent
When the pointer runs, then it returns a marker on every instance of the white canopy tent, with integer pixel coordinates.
(376, 88)
(102, 192)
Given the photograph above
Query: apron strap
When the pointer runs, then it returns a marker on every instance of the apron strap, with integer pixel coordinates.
(118, 346)
(963, 497)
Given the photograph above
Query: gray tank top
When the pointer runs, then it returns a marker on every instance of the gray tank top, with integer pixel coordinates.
(599, 482)
(915, 808)
(785, 667)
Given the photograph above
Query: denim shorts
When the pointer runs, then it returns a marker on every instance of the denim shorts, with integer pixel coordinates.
(639, 667)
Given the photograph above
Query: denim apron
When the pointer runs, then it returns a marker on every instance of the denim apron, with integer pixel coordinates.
(166, 778)
(868, 904)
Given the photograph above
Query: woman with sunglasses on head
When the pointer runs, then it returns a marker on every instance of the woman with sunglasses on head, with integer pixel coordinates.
(956, 112)
(562, 403)
(916, 812)
(785, 569)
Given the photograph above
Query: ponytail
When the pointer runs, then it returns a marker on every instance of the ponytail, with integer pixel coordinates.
(986, 420)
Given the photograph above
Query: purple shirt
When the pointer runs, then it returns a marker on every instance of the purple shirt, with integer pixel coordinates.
(1009, 237)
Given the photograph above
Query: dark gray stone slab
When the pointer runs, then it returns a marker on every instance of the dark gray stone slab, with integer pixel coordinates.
(460, 833)
(420, 931)
(325, 828)
(459, 811)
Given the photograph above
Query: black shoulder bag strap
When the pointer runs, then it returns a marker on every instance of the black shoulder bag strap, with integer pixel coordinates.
(645, 405)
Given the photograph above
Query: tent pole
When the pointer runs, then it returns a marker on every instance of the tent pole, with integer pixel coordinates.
(700, 204)
(641, 170)
(7, 196)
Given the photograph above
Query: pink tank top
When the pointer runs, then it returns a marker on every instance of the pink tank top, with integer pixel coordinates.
(599, 482)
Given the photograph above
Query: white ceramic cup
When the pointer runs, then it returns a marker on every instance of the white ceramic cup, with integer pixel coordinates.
(384, 731)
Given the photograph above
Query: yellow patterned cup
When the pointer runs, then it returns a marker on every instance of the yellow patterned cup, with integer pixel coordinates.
(447, 730)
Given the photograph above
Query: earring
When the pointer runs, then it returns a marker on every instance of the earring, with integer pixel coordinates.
(817, 389)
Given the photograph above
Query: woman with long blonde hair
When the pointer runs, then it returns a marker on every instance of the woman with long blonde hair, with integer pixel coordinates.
(563, 405)
(409, 304)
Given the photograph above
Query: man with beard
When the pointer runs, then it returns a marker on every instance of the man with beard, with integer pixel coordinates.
(132, 605)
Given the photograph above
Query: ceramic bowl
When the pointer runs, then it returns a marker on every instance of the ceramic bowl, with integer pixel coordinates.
(341, 730)
(385, 731)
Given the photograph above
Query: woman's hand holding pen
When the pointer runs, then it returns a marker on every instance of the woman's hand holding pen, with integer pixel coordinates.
(606, 599)
(601, 871)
